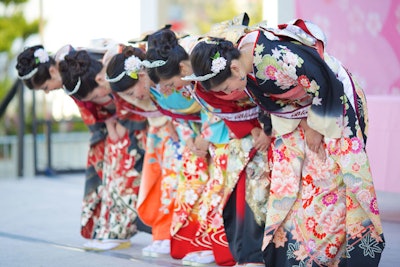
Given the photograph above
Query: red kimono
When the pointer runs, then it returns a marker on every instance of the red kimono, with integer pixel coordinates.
(240, 174)
(93, 116)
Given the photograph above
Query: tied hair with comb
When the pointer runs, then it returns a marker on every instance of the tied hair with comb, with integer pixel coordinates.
(218, 64)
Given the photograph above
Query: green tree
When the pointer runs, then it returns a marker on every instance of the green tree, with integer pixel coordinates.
(13, 24)
(14, 28)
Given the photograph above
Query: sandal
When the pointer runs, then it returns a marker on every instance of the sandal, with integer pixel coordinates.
(199, 258)
(107, 244)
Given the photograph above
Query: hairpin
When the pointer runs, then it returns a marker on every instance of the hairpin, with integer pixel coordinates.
(132, 65)
(29, 75)
(154, 64)
(208, 41)
(217, 65)
(76, 88)
(41, 56)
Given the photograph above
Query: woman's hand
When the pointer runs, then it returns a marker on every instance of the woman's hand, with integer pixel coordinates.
(190, 144)
(121, 130)
(115, 129)
(261, 140)
(201, 146)
(111, 124)
(171, 129)
(314, 140)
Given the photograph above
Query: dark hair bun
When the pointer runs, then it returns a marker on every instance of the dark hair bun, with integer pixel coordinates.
(163, 42)
(78, 63)
(26, 61)
(224, 44)
(129, 51)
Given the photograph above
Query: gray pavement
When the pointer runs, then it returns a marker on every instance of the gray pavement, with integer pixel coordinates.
(39, 227)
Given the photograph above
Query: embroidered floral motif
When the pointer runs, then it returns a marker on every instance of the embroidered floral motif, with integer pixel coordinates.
(331, 250)
(329, 199)
(356, 145)
(304, 81)
(223, 161)
(280, 66)
(190, 197)
(201, 164)
(370, 246)
(374, 206)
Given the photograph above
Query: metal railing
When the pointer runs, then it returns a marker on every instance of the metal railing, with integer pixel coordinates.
(17, 88)
(13, 148)
(69, 154)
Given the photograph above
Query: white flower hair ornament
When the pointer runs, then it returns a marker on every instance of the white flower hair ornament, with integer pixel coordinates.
(218, 64)
(132, 67)
(40, 56)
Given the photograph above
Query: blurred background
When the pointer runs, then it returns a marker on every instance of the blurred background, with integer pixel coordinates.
(42, 133)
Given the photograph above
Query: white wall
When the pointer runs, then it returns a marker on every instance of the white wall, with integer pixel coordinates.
(278, 11)
(78, 22)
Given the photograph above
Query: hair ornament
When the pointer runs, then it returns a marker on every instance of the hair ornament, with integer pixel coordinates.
(76, 88)
(41, 56)
(217, 65)
(61, 56)
(29, 75)
(153, 64)
(132, 66)
(212, 42)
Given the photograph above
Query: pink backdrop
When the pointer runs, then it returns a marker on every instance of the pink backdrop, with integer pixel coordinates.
(365, 37)
(382, 145)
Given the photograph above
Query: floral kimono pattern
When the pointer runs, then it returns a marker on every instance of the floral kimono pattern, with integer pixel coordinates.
(284, 67)
(234, 160)
(162, 162)
(184, 112)
(236, 169)
(191, 182)
(122, 173)
(93, 116)
(195, 175)
(320, 213)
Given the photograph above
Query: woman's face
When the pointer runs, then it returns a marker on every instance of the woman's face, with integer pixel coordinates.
(168, 85)
(54, 83)
(99, 95)
(101, 78)
(140, 91)
(231, 85)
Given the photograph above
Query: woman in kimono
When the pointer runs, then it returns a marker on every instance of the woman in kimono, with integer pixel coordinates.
(167, 60)
(322, 207)
(39, 71)
(123, 155)
(237, 193)
(129, 81)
